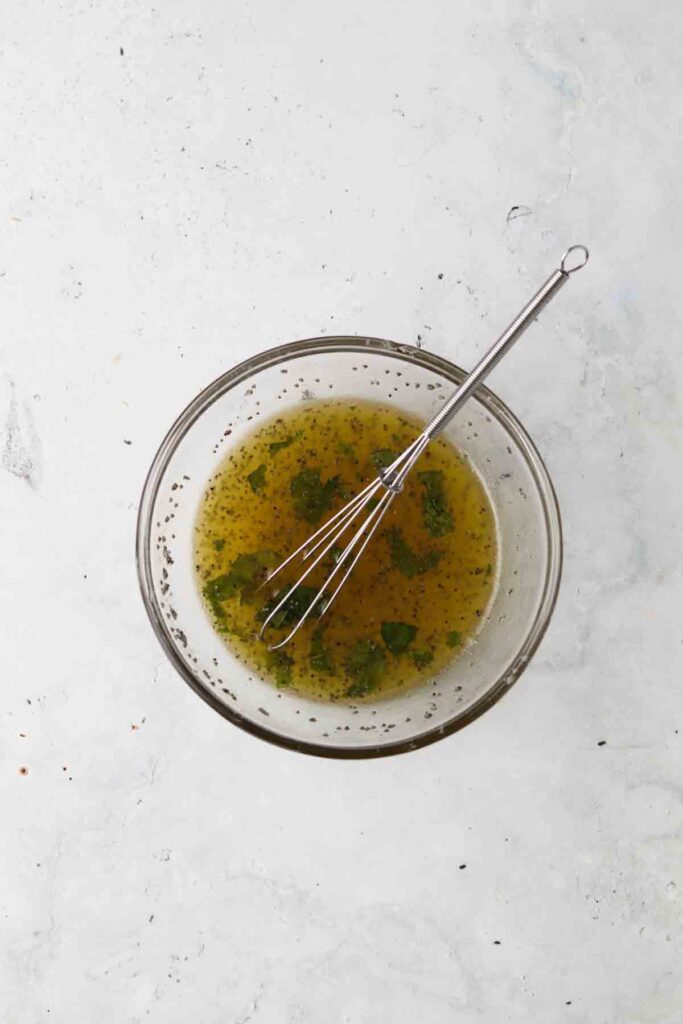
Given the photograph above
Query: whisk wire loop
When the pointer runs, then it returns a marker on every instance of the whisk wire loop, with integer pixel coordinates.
(327, 540)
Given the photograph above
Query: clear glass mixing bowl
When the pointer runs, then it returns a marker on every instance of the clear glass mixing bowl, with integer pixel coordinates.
(522, 496)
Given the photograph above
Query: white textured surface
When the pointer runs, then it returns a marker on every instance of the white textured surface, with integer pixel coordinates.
(246, 174)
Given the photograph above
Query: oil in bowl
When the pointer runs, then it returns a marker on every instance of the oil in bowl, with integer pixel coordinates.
(415, 598)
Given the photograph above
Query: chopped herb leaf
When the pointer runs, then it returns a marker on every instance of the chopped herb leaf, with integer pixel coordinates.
(219, 544)
(405, 559)
(372, 504)
(383, 457)
(398, 636)
(365, 663)
(280, 664)
(334, 556)
(276, 446)
(344, 448)
(252, 594)
(422, 658)
(220, 589)
(454, 638)
(244, 572)
(296, 605)
(489, 569)
(435, 512)
(257, 479)
(311, 496)
(318, 655)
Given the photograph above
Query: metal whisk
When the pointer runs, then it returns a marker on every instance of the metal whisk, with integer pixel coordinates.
(390, 481)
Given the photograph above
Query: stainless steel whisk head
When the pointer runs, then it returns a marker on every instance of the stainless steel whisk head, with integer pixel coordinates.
(348, 529)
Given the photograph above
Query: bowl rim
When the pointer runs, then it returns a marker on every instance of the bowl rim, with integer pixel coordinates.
(407, 353)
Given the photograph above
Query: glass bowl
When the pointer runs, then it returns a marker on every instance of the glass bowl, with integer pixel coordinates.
(500, 450)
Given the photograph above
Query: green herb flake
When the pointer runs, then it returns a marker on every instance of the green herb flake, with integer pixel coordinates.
(334, 556)
(346, 449)
(397, 636)
(281, 664)
(365, 664)
(257, 479)
(454, 638)
(489, 570)
(318, 655)
(219, 544)
(436, 515)
(296, 605)
(422, 658)
(276, 446)
(246, 571)
(405, 559)
(311, 496)
(383, 457)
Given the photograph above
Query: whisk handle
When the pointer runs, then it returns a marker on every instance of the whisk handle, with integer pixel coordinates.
(509, 336)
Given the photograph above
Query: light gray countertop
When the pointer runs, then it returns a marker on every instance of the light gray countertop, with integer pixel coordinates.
(183, 185)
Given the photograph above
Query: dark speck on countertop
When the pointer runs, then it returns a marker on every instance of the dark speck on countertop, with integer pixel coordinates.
(518, 211)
